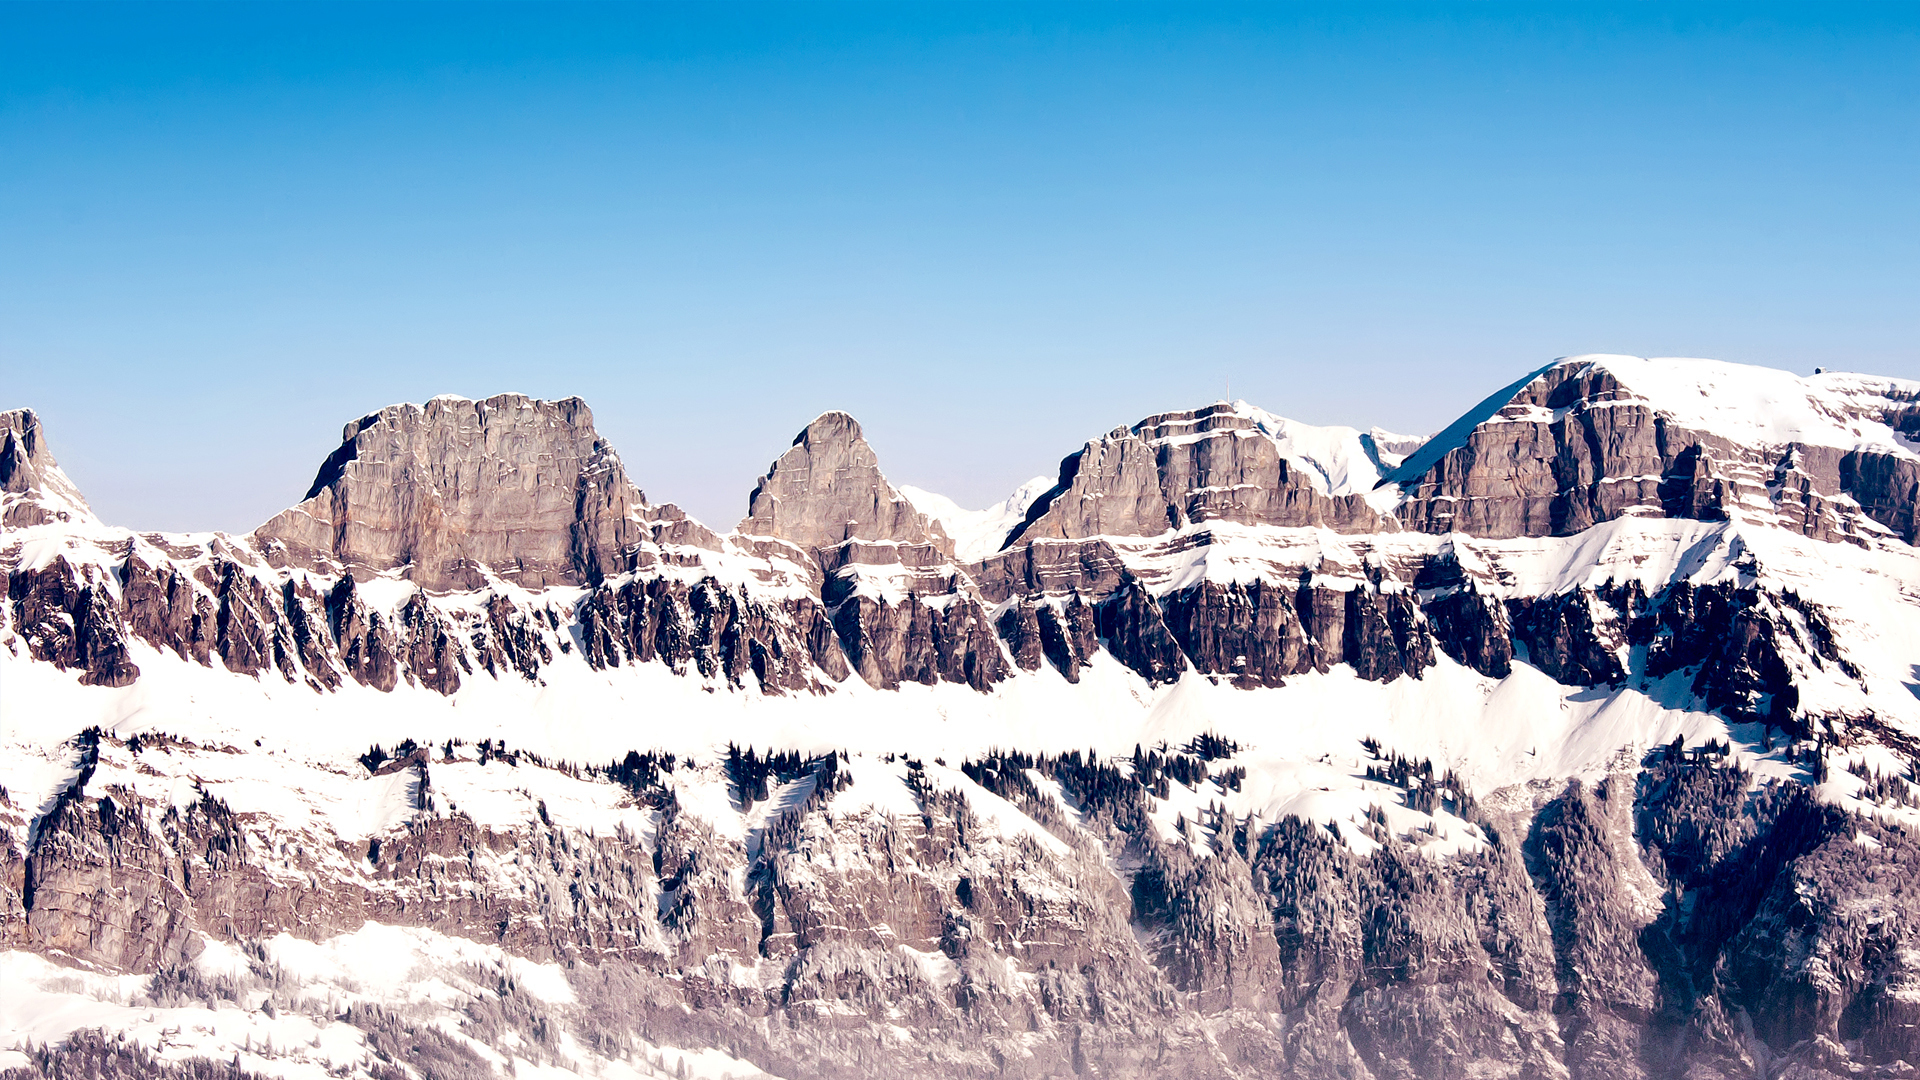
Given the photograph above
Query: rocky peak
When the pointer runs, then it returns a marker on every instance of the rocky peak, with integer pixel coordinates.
(1225, 462)
(1591, 438)
(1336, 460)
(33, 489)
(828, 489)
(456, 489)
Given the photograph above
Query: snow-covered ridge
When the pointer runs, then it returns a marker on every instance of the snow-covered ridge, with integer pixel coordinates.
(1752, 406)
(1336, 460)
(977, 533)
(1765, 406)
(791, 595)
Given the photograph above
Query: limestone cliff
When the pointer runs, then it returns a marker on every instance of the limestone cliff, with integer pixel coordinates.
(456, 490)
(1222, 463)
(33, 490)
(1592, 439)
(828, 490)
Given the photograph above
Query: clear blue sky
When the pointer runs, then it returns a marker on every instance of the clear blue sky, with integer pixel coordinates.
(990, 232)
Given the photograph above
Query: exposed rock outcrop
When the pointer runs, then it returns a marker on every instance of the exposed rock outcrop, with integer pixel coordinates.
(455, 490)
(1592, 439)
(828, 490)
(1220, 463)
(33, 489)
(1616, 930)
(70, 619)
(1204, 908)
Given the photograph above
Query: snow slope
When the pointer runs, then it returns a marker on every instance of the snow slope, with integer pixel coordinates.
(977, 533)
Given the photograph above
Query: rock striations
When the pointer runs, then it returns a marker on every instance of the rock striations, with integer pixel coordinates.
(1579, 740)
(1592, 440)
(33, 490)
(461, 491)
(828, 491)
(1221, 463)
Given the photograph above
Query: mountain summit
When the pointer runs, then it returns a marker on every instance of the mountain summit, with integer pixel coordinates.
(457, 490)
(828, 490)
(33, 490)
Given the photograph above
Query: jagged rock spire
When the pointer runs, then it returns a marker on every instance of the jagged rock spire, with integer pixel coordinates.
(829, 489)
(33, 489)
(520, 487)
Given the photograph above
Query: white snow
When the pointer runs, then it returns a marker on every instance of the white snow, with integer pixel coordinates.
(1759, 405)
(577, 713)
(1752, 406)
(1335, 460)
(977, 533)
(1392, 448)
(285, 754)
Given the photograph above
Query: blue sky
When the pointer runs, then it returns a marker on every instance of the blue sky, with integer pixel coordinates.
(990, 232)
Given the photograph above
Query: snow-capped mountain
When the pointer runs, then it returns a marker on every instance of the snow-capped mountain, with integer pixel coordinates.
(1577, 740)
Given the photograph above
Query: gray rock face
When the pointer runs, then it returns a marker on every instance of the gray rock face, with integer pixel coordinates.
(457, 489)
(1576, 446)
(1888, 489)
(33, 490)
(828, 490)
(885, 601)
(710, 631)
(1211, 464)
(883, 561)
(1572, 448)
(69, 619)
(912, 641)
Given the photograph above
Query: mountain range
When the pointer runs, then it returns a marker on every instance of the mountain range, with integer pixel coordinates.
(1581, 739)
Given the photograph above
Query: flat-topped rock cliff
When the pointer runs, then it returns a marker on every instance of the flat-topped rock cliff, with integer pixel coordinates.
(1221, 463)
(455, 490)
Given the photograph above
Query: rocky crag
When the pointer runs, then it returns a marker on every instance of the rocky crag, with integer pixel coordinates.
(1578, 740)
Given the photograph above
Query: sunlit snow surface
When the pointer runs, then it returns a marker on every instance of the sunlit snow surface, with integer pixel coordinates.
(977, 533)
(1753, 406)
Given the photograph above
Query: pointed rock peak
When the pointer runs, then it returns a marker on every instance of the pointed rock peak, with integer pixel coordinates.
(831, 429)
(456, 490)
(33, 489)
(828, 489)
